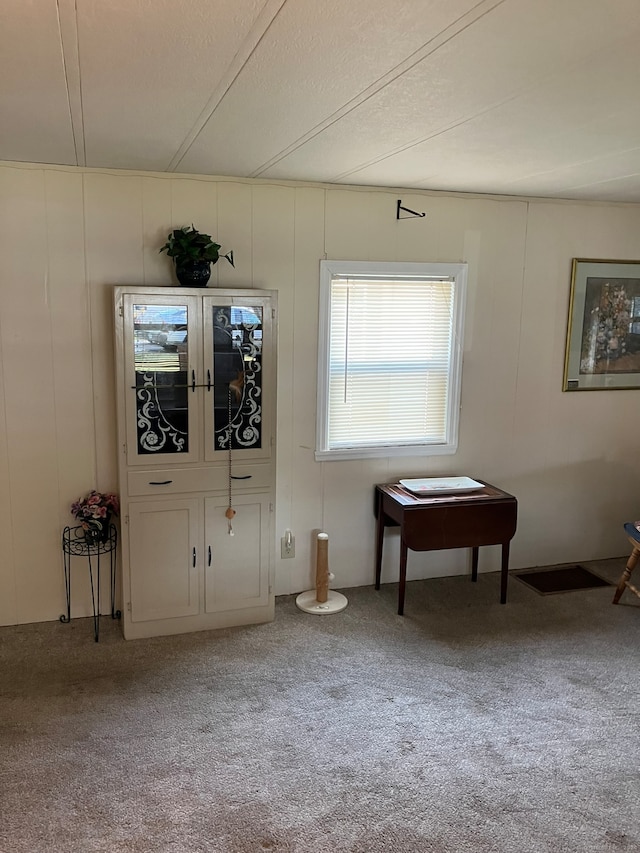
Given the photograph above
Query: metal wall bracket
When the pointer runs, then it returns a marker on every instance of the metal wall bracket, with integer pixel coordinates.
(413, 213)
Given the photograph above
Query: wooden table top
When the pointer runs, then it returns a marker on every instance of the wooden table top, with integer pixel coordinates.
(408, 499)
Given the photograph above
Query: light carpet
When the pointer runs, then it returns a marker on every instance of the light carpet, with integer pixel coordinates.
(463, 727)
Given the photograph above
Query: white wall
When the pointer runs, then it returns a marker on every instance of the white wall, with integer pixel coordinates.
(67, 235)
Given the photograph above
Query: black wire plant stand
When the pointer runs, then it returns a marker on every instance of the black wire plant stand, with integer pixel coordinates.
(74, 544)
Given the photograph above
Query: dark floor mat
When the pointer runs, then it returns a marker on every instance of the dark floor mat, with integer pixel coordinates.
(564, 579)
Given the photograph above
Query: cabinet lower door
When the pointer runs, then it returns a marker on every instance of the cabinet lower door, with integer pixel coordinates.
(163, 542)
(237, 567)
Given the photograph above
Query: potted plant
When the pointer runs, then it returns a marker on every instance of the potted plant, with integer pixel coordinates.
(94, 512)
(193, 253)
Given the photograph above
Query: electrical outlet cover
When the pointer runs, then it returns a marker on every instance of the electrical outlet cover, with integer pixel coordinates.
(287, 552)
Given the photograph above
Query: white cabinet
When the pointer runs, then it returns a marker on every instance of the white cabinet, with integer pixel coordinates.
(196, 413)
(163, 541)
(231, 582)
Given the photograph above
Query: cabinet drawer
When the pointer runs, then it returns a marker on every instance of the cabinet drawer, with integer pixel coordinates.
(245, 477)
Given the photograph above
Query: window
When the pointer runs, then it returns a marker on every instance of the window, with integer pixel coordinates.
(390, 358)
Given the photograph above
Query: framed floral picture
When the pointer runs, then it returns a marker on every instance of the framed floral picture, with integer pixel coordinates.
(603, 333)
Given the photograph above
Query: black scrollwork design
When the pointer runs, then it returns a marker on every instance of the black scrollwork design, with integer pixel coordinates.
(156, 433)
(238, 366)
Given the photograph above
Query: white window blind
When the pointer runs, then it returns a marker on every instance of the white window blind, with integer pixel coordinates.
(391, 349)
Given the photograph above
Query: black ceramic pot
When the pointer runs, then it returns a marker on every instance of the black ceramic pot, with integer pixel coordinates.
(194, 273)
(98, 532)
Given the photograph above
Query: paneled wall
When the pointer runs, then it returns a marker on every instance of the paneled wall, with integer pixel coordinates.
(68, 235)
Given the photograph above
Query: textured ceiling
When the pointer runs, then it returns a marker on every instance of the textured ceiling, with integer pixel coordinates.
(519, 97)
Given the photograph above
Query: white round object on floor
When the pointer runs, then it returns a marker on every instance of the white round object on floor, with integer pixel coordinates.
(335, 602)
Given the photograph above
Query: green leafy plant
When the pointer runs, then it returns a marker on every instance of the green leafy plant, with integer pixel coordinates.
(186, 244)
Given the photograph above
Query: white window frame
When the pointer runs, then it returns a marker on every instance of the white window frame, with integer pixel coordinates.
(389, 271)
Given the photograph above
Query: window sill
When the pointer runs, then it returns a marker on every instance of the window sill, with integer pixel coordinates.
(385, 452)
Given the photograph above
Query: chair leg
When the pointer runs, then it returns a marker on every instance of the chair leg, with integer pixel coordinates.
(631, 564)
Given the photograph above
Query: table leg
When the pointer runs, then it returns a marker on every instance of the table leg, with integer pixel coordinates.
(67, 587)
(98, 622)
(95, 596)
(379, 543)
(505, 573)
(403, 576)
(474, 564)
(115, 614)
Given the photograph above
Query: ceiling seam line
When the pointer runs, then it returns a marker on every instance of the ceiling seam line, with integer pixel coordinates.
(84, 138)
(390, 77)
(80, 161)
(401, 149)
(80, 96)
(416, 142)
(193, 135)
(578, 163)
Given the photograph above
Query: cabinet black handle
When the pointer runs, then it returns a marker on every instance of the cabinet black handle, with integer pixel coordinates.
(209, 563)
(160, 482)
(194, 558)
(151, 385)
(208, 380)
(193, 380)
(244, 477)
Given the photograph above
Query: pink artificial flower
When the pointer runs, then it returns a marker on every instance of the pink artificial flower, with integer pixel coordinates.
(95, 506)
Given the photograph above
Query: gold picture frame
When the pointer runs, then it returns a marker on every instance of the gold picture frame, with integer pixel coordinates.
(603, 333)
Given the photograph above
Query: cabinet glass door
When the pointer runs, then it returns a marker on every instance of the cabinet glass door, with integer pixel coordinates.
(238, 353)
(162, 377)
